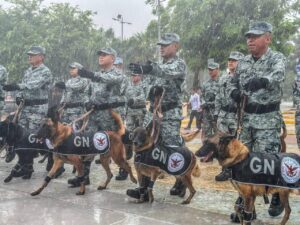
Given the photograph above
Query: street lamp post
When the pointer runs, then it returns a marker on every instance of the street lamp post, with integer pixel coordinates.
(122, 22)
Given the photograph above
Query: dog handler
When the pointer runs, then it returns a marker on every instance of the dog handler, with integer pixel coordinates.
(259, 80)
(169, 75)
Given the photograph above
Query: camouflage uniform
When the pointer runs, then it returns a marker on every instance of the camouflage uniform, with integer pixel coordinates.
(77, 89)
(3, 79)
(261, 122)
(296, 95)
(209, 91)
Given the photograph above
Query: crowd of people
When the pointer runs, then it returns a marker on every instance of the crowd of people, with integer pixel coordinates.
(245, 101)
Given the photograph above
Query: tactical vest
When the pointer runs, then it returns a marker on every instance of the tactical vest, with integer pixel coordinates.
(173, 160)
(278, 170)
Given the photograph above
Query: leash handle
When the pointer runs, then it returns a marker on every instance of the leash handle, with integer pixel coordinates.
(18, 112)
(85, 119)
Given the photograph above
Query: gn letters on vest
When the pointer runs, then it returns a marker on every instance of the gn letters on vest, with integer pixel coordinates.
(278, 170)
(173, 160)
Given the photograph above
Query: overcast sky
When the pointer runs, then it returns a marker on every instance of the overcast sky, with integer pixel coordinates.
(134, 11)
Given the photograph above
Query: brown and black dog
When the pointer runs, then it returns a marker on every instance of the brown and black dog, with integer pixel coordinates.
(231, 153)
(58, 133)
(142, 141)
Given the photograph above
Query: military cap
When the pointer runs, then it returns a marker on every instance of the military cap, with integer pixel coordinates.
(259, 28)
(168, 38)
(109, 51)
(213, 65)
(118, 61)
(36, 50)
(236, 55)
(75, 65)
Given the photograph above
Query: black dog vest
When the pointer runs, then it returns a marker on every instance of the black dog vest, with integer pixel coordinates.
(173, 160)
(278, 170)
(30, 142)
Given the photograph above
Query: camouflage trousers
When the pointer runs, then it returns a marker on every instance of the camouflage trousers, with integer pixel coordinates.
(209, 126)
(32, 116)
(70, 114)
(134, 121)
(261, 140)
(297, 126)
(1, 106)
(227, 125)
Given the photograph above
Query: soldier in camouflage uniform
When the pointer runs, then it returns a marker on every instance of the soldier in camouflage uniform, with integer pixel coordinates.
(170, 75)
(296, 95)
(209, 92)
(226, 107)
(259, 80)
(3, 79)
(105, 89)
(34, 90)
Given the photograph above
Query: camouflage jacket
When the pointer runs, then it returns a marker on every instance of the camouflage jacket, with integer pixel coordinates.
(209, 91)
(77, 89)
(223, 99)
(36, 83)
(170, 75)
(3, 79)
(138, 94)
(272, 67)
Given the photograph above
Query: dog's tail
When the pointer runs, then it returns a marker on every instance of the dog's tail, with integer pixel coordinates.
(190, 136)
(118, 119)
(196, 170)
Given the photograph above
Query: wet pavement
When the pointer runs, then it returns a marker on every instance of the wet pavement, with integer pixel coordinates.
(58, 204)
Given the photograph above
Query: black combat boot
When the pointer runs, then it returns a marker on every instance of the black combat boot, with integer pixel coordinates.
(276, 208)
(122, 174)
(239, 203)
(224, 175)
(15, 172)
(27, 170)
(10, 155)
(178, 188)
(50, 162)
(75, 182)
(137, 192)
(129, 152)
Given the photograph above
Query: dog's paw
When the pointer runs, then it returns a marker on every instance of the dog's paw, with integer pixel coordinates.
(35, 193)
(80, 193)
(101, 188)
(185, 202)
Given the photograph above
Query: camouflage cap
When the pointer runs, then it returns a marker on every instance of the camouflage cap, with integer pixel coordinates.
(236, 55)
(36, 50)
(118, 61)
(168, 38)
(259, 28)
(75, 65)
(109, 51)
(213, 65)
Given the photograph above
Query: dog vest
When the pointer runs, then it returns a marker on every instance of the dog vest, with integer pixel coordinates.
(173, 160)
(278, 170)
(30, 142)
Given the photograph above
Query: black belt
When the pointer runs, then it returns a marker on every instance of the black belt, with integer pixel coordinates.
(74, 104)
(137, 107)
(32, 102)
(261, 109)
(229, 108)
(108, 105)
(166, 106)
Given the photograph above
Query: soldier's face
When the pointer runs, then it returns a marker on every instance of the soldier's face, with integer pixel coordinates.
(213, 73)
(257, 44)
(73, 72)
(106, 60)
(167, 51)
(35, 59)
(232, 64)
(136, 79)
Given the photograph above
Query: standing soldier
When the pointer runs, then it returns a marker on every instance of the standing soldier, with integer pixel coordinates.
(169, 75)
(3, 79)
(34, 91)
(105, 88)
(258, 82)
(226, 107)
(136, 110)
(209, 91)
(296, 95)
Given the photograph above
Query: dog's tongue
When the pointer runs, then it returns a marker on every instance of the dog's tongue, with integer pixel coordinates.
(207, 158)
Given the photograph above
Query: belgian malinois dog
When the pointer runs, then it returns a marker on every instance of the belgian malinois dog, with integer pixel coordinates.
(58, 133)
(231, 153)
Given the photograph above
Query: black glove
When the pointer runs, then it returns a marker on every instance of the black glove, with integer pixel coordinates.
(85, 73)
(89, 106)
(60, 85)
(236, 95)
(11, 87)
(140, 69)
(130, 102)
(256, 83)
(19, 100)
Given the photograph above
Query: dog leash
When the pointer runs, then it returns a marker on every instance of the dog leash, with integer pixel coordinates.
(84, 118)
(157, 113)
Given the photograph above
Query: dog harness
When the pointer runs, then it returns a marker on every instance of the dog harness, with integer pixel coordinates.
(174, 160)
(278, 170)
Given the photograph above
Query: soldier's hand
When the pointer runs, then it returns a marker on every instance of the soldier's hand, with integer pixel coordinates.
(60, 85)
(11, 87)
(140, 69)
(19, 100)
(130, 102)
(86, 73)
(89, 106)
(256, 83)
